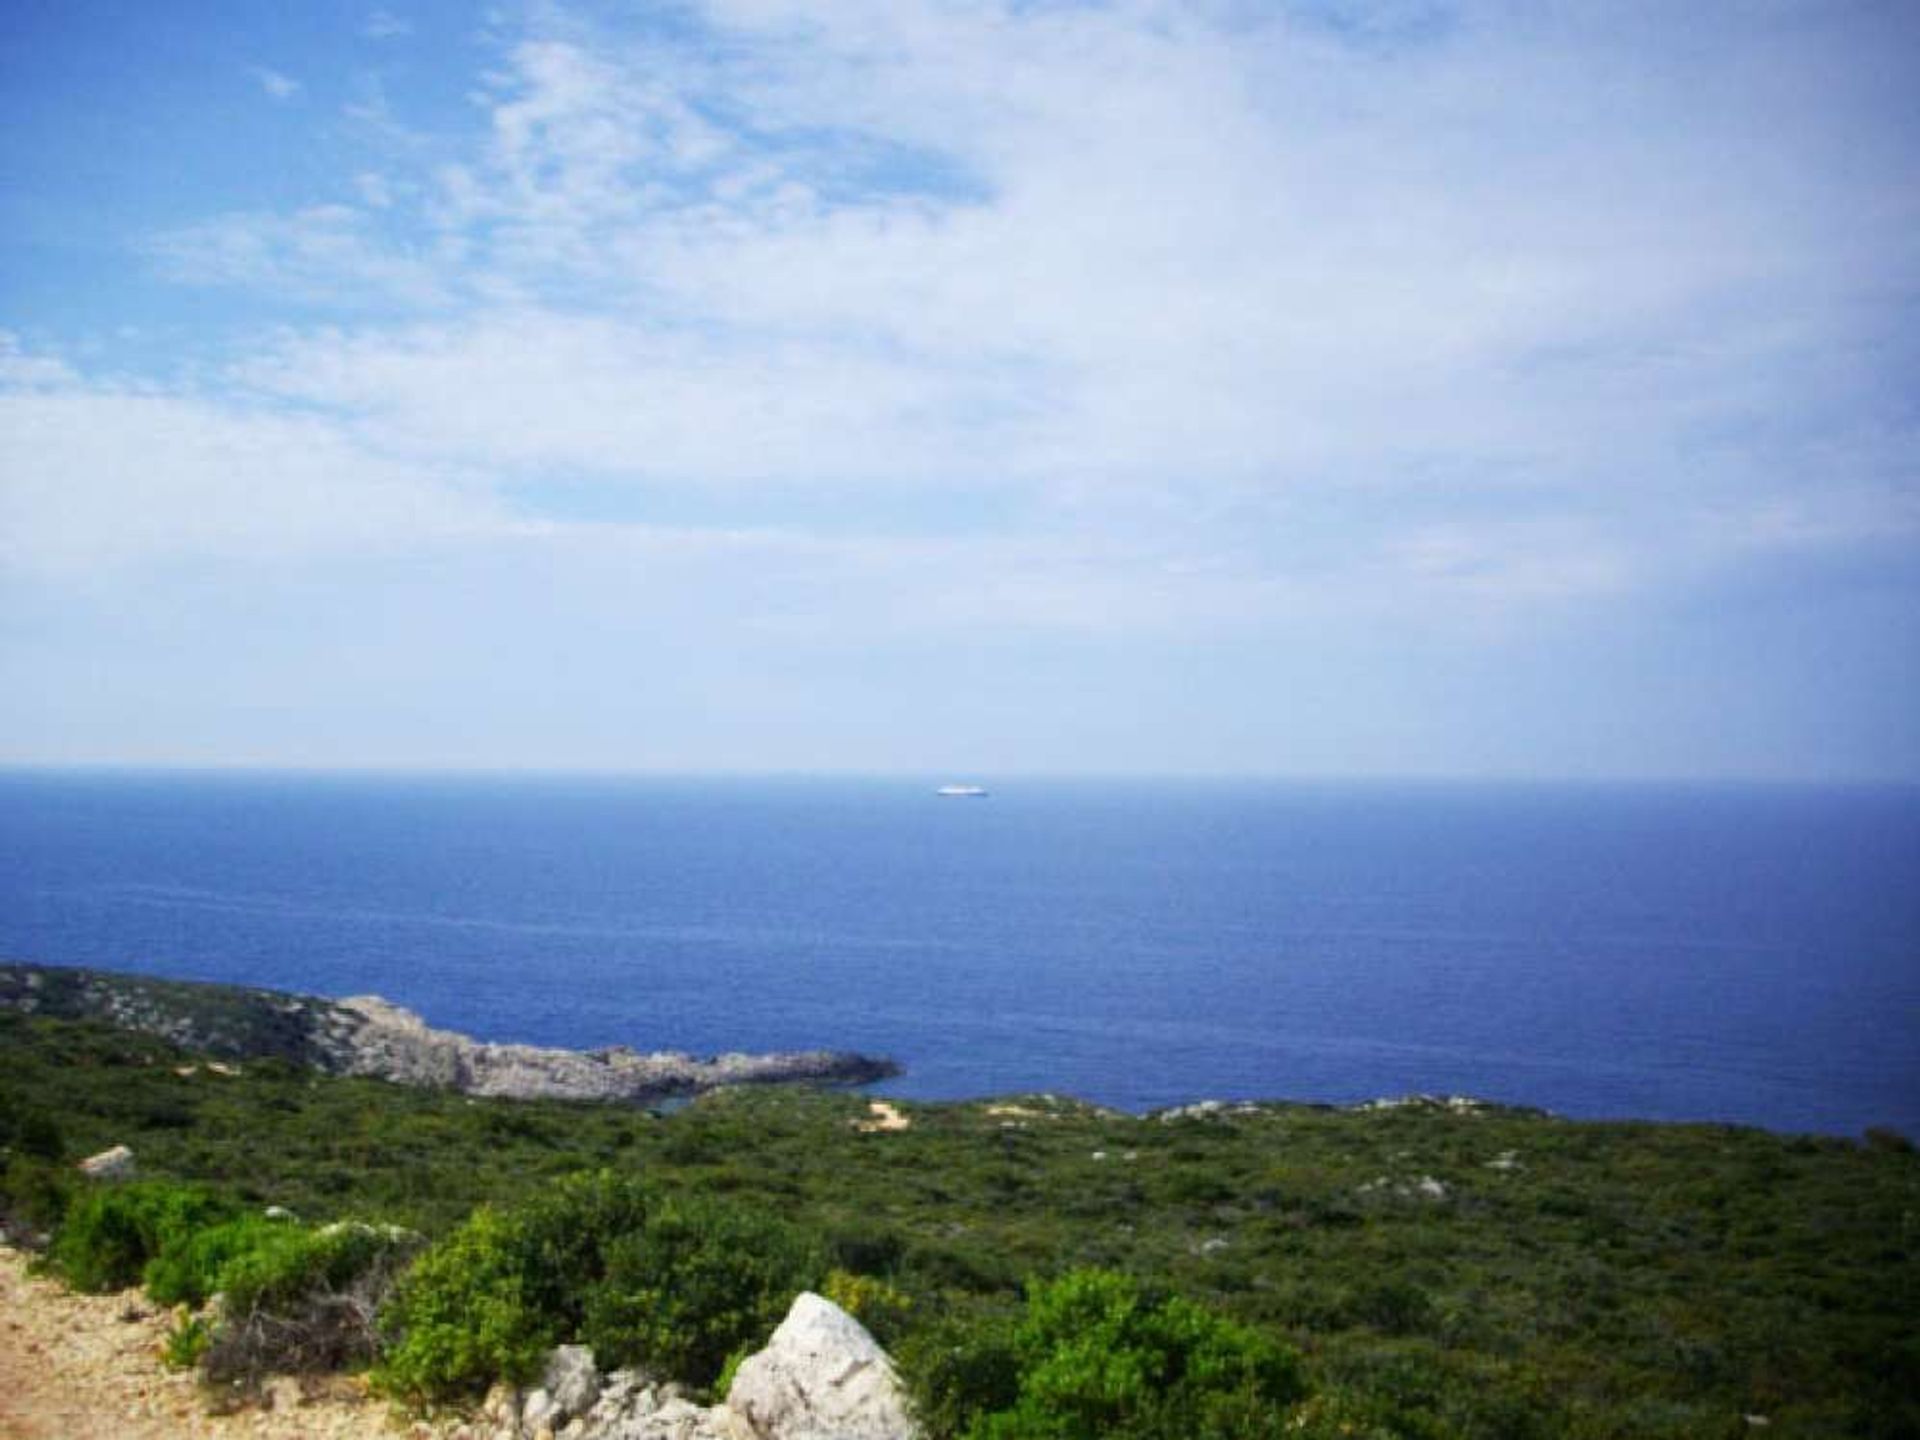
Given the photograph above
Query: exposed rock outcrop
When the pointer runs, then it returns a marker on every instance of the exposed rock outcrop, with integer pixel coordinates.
(114, 1164)
(370, 1036)
(366, 1035)
(821, 1377)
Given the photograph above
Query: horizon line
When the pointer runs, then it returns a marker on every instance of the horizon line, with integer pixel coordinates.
(926, 775)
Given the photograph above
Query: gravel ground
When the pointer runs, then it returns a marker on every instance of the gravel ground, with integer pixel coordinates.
(77, 1367)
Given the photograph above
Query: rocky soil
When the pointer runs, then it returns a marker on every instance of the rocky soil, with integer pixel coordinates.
(87, 1367)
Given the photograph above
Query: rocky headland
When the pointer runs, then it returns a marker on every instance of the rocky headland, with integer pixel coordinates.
(366, 1035)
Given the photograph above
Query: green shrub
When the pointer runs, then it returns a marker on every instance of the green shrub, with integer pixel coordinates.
(112, 1232)
(563, 1234)
(294, 1299)
(866, 1249)
(678, 1284)
(962, 1368)
(1392, 1305)
(288, 1263)
(188, 1271)
(30, 1132)
(700, 1280)
(461, 1318)
(300, 1301)
(1095, 1356)
(1334, 1416)
(34, 1195)
(187, 1342)
(883, 1309)
(488, 1301)
(723, 1387)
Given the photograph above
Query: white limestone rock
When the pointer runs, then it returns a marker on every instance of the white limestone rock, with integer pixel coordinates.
(647, 1414)
(538, 1412)
(114, 1164)
(630, 1405)
(572, 1380)
(821, 1377)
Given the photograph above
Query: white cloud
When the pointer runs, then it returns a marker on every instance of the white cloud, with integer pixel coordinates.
(325, 252)
(21, 369)
(95, 477)
(276, 85)
(385, 25)
(527, 389)
(1535, 310)
(374, 189)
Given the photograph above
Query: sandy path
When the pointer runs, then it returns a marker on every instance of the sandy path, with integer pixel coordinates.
(87, 1367)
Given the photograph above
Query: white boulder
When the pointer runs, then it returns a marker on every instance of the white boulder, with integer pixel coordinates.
(114, 1164)
(821, 1377)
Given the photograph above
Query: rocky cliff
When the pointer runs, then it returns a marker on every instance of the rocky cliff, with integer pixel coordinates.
(366, 1035)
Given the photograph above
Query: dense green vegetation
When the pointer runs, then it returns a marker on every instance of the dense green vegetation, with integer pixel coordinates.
(678, 1283)
(1553, 1278)
(228, 1020)
(1094, 1353)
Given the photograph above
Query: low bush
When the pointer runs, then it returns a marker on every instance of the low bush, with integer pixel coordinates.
(300, 1301)
(462, 1318)
(677, 1283)
(489, 1301)
(960, 1369)
(1096, 1357)
(30, 1132)
(111, 1233)
(701, 1280)
(34, 1196)
(188, 1271)
(292, 1299)
(886, 1311)
(186, 1343)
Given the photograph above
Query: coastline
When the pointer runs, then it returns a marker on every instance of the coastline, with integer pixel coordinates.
(1612, 953)
(368, 1036)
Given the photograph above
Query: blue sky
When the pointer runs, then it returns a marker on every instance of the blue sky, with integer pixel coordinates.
(1417, 388)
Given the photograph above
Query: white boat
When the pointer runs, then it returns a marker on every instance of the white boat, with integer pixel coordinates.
(963, 792)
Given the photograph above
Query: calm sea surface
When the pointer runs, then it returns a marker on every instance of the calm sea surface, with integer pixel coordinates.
(1728, 953)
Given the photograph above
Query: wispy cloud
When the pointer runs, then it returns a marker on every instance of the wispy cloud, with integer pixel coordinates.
(277, 86)
(1113, 253)
(988, 319)
(102, 475)
(331, 253)
(385, 25)
(1082, 254)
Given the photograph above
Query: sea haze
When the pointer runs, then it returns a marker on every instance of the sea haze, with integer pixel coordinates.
(1749, 954)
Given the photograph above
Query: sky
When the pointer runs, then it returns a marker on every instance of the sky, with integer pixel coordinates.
(1300, 388)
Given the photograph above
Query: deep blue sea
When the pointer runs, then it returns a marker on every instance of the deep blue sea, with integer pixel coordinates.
(1749, 954)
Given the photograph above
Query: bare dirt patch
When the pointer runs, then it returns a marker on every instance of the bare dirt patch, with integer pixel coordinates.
(88, 1367)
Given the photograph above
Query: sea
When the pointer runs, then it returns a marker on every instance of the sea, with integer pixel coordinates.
(1727, 953)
